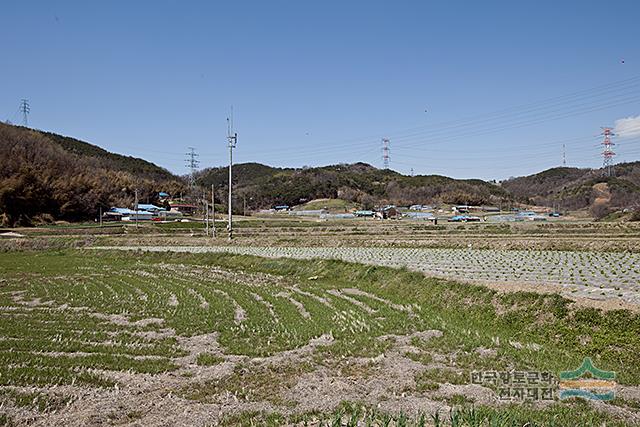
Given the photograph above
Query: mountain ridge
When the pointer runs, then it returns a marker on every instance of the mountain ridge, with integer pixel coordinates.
(49, 176)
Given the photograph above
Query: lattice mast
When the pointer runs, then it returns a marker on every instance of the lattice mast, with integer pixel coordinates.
(25, 109)
(607, 152)
(192, 163)
(385, 152)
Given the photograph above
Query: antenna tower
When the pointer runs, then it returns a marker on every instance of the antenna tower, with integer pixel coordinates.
(607, 153)
(25, 109)
(385, 152)
(192, 163)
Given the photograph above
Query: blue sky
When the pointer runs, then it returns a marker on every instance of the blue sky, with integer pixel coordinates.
(486, 89)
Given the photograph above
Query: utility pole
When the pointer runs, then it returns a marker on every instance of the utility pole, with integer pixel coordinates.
(192, 164)
(206, 213)
(213, 213)
(607, 153)
(233, 139)
(135, 207)
(25, 109)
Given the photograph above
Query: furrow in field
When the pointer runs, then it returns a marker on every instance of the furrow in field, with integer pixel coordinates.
(601, 275)
(240, 315)
(267, 304)
(299, 306)
(360, 304)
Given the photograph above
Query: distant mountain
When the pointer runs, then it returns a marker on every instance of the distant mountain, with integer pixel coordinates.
(45, 176)
(264, 186)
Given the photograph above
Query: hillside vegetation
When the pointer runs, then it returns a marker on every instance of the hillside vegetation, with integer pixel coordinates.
(563, 188)
(573, 188)
(51, 177)
(360, 183)
(48, 177)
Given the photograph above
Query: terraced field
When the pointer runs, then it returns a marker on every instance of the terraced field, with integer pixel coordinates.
(593, 275)
(112, 338)
(360, 233)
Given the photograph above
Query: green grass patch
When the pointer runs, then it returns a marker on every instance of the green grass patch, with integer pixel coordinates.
(208, 359)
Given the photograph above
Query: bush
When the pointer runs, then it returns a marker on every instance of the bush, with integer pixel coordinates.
(43, 218)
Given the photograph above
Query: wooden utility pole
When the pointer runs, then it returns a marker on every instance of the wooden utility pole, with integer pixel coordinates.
(135, 208)
(213, 213)
(206, 213)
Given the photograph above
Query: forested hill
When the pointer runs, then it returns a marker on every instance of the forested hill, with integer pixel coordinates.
(573, 188)
(109, 160)
(564, 188)
(359, 182)
(46, 176)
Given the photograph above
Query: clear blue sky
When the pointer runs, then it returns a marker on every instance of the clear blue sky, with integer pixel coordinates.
(321, 82)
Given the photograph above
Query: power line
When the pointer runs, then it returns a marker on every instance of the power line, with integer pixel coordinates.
(479, 130)
(525, 123)
(581, 102)
(541, 107)
(587, 98)
(509, 118)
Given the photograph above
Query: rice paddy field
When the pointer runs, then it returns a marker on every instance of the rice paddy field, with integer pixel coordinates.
(606, 276)
(166, 327)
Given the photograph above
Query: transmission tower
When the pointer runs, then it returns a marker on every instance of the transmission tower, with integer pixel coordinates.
(192, 163)
(607, 153)
(25, 110)
(385, 152)
(564, 155)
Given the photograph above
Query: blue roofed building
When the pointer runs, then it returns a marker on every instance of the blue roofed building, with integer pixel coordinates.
(149, 207)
